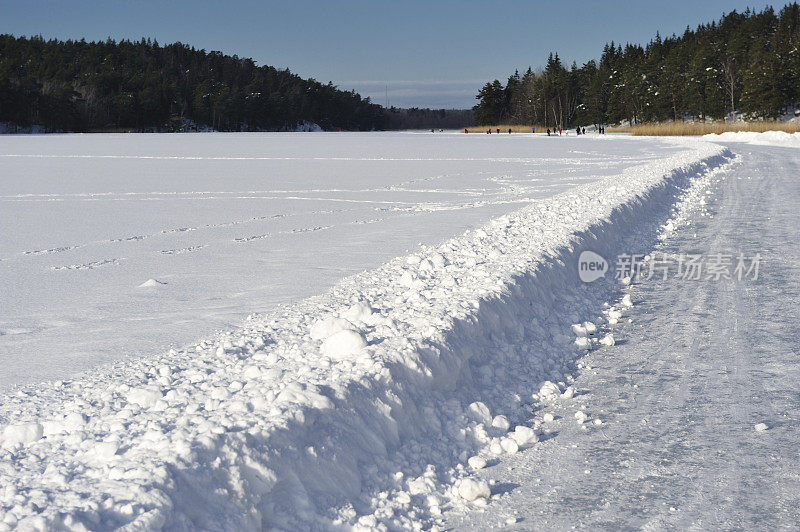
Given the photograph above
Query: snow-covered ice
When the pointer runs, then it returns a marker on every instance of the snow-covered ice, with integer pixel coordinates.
(124, 245)
(365, 405)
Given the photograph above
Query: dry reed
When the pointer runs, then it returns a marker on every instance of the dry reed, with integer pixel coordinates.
(703, 128)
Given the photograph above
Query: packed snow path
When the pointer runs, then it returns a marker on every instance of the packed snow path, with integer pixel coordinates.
(700, 365)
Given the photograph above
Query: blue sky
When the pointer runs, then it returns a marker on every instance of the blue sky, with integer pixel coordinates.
(431, 54)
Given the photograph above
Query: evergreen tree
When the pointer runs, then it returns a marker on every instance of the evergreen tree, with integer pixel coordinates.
(84, 86)
(491, 108)
(747, 61)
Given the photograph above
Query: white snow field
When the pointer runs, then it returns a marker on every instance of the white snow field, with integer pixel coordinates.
(122, 245)
(430, 391)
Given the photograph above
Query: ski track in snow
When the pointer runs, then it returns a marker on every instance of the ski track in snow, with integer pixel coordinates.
(397, 207)
(690, 421)
(370, 405)
(88, 265)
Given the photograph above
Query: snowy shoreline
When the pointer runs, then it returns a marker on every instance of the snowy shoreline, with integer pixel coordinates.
(385, 384)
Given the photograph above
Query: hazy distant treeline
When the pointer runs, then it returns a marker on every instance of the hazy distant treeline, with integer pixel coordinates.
(90, 86)
(746, 62)
(415, 118)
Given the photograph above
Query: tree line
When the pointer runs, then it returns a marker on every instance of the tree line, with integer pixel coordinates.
(76, 85)
(416, 118)
(746, 63)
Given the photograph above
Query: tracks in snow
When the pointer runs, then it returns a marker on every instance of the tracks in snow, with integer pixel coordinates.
(701, 364)
(274, 425)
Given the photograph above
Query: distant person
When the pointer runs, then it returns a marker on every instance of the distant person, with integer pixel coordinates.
(533, 129)
(583, 131)
(466, 130)
(548, 131)
(488, 131)
(577, 130)
(498, 130)
(509, 131)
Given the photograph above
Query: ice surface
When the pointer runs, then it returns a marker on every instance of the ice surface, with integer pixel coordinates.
(690, 419)
(264, 426)
(213, 227)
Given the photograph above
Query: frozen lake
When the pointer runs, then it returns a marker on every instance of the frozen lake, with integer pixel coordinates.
(231, 224)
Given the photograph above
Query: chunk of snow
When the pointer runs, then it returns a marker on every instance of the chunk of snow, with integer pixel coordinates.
(104, 450)
(343, 344)
(360, 312)
(583, 344)
(420, 485)
(579, 330)
(22, 433)
(480, 413)
(549, 390)
(761, 427)
(150, 283)
(407, 279)
(425, 265)
(145, 397)
(471, 490)
(524, 435)
(438, 260)
(608, 340)
(328, 327)
(626, 301)
(509, 445)
(496, 447)
(476, 462)
(68, 423)
(501, 422)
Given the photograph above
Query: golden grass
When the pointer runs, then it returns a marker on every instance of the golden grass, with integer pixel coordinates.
(505, 128)
(674, 129)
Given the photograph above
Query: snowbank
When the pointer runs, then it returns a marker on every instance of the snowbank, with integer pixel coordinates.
(369, 405)
(768, 138)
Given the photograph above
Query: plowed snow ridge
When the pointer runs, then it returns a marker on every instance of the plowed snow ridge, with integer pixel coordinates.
(360, 406)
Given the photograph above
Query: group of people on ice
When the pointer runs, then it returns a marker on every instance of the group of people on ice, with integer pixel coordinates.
(557, 132)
